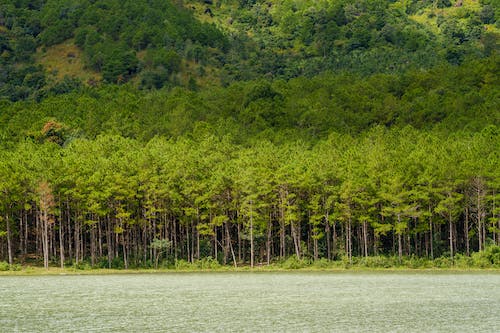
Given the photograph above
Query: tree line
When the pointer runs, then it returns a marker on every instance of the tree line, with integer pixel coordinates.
(114, 201)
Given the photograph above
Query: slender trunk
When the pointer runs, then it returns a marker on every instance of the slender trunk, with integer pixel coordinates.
(295, 240)
(282, 232)
(25, 250)
(109, 238)
(349, 240)
(328, 241)
(269, 237)
(400, 245)
(188, 242)
(230, 244)
(92, 245)
(45, 239)
(466, 232)
(365, 238)
(431, 233)
(334, 240)
(124, 244)
(61, 243)
(68, 228)
(451, 236)
(77, 241)
(479, 226)
(251, 237)
(239, 241)
(215, 243)
(400, 248)
(193, 231)
(99, 236)
(9, 245)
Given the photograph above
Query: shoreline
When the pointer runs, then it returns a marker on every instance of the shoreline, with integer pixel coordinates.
(40, 271)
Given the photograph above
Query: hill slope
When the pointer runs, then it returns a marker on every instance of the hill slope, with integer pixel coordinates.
(205, 43)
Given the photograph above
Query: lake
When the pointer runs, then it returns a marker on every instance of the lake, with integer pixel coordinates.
(252, 302)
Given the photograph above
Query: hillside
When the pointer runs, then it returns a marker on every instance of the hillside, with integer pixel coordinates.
(54, 46)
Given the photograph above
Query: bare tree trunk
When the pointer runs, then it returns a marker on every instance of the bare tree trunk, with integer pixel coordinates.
(25, 250)
(61, 242)
(239, 241)
(124, 244)
(400, 245)
(334, 240)
(45, 239)
(451, 237)
(230, 244)
(349, 240)
(9, 245)
(282, 232)
(92, 245)
(251, 237)
(365, 238)
(269, 237)
(295, 240)
(431, 234)
(77, 241)
(466, 232)
(328, 240)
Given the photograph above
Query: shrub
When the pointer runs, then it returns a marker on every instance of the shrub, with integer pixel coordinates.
(4, 266)
(322, 263)
(416, 262)
(293, 263)
(207, 263)
(377, 262)
(183, 264)
(462, 261)
(443, 262)
(490, 257)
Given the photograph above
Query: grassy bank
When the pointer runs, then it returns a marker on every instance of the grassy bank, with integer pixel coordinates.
(488, 260)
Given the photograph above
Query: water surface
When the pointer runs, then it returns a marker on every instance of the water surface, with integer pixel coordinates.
(252, 302)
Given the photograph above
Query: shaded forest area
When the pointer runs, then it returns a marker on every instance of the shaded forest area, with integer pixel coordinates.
(248, 132)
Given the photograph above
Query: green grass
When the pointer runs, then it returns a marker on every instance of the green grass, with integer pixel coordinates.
(65, 59)
(486, 261)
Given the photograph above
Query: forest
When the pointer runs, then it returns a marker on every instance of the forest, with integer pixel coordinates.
(146, 134)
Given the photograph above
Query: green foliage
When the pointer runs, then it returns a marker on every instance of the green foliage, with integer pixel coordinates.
(294, 263)
(206, 263)
(157, 40)
(4, 266)
(490, 257)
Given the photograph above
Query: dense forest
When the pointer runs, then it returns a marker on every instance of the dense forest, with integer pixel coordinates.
(149, 133)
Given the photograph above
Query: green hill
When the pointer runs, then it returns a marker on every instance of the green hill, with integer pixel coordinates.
(54, 46)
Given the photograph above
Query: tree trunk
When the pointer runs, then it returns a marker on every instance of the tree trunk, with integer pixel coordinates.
(251, 237)
(334, 240)
(400, 245)
(61, 242)
(365, 238)
(451, 236)
(230, 245)
(400, 248)
(431, 235)
(348, 236)
(466, 232)
(269, 237)
(295, 240)
(327, 235)
(124, 244)
(45, 239)
(9, 245)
